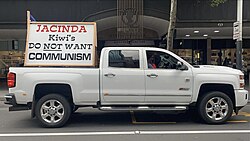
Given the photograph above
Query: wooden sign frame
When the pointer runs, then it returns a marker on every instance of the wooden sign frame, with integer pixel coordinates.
(29, 22)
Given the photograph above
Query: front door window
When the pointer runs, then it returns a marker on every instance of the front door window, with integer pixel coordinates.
(160, 60)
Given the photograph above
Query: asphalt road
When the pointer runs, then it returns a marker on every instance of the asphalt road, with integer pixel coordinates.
(88, 124)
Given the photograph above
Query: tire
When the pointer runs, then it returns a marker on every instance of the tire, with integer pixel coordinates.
(53, 111)
(215, 107)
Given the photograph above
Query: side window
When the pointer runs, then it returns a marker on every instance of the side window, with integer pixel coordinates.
(124, 58)
(161, 60)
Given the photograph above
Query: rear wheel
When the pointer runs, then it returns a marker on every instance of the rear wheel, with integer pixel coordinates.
(53, 110)
(215, 108)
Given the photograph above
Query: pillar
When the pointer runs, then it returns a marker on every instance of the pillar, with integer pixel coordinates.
(209, 47)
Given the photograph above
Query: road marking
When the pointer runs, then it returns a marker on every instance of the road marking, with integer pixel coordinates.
(230, 121)
(237, 121)
(196, 132)
(245, 114)
(66, 134)
(139, 122)
(126, 133)
(154, 122)
(242, 113)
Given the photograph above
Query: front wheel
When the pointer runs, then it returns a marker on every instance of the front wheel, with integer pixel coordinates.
(215, 108)
(53, 110)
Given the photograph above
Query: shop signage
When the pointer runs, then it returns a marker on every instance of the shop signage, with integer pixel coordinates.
(60, 44)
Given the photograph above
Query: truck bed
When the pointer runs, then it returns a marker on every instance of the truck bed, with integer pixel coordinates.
(84, 82)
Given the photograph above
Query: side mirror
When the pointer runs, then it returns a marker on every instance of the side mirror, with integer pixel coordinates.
(181, 66)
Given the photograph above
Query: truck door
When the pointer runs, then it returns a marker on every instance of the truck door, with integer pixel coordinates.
(123, 78)
(164, 83)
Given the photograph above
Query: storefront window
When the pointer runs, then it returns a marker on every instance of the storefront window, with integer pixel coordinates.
(9, 59)
(11, 55)
(185, 54)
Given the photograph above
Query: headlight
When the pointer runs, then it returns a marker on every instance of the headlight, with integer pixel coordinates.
(242, 84)
(241, 77)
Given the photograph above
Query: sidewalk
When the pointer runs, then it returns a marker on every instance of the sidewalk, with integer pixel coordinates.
(3, 89)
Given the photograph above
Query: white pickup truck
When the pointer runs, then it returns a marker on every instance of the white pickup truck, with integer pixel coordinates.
(130, 79)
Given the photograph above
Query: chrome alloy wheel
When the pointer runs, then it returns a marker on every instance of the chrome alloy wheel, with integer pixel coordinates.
(216, 108)
(52, 111)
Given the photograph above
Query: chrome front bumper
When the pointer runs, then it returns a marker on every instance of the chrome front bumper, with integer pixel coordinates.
(241, 97)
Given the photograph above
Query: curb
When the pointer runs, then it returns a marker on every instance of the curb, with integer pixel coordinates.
(2, 99)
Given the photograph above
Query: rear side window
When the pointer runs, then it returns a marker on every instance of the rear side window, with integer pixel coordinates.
(124, 58)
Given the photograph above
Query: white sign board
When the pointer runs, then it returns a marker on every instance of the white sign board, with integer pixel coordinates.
(60, 44)
(236, 30)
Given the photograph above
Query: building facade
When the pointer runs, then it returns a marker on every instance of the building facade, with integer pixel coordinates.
(203, 34)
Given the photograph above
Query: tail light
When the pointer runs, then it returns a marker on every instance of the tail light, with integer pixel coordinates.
(11, 79)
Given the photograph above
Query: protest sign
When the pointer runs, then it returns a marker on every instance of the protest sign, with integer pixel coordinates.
(60, 44)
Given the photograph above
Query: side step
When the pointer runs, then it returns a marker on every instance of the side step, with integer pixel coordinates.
(142, 108)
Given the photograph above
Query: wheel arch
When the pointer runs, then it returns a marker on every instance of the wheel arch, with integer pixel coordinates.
(44, 89)
(228, 89)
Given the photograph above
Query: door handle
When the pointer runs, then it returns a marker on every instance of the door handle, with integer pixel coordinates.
(152, 75)
(187, 79)
(109, 75)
